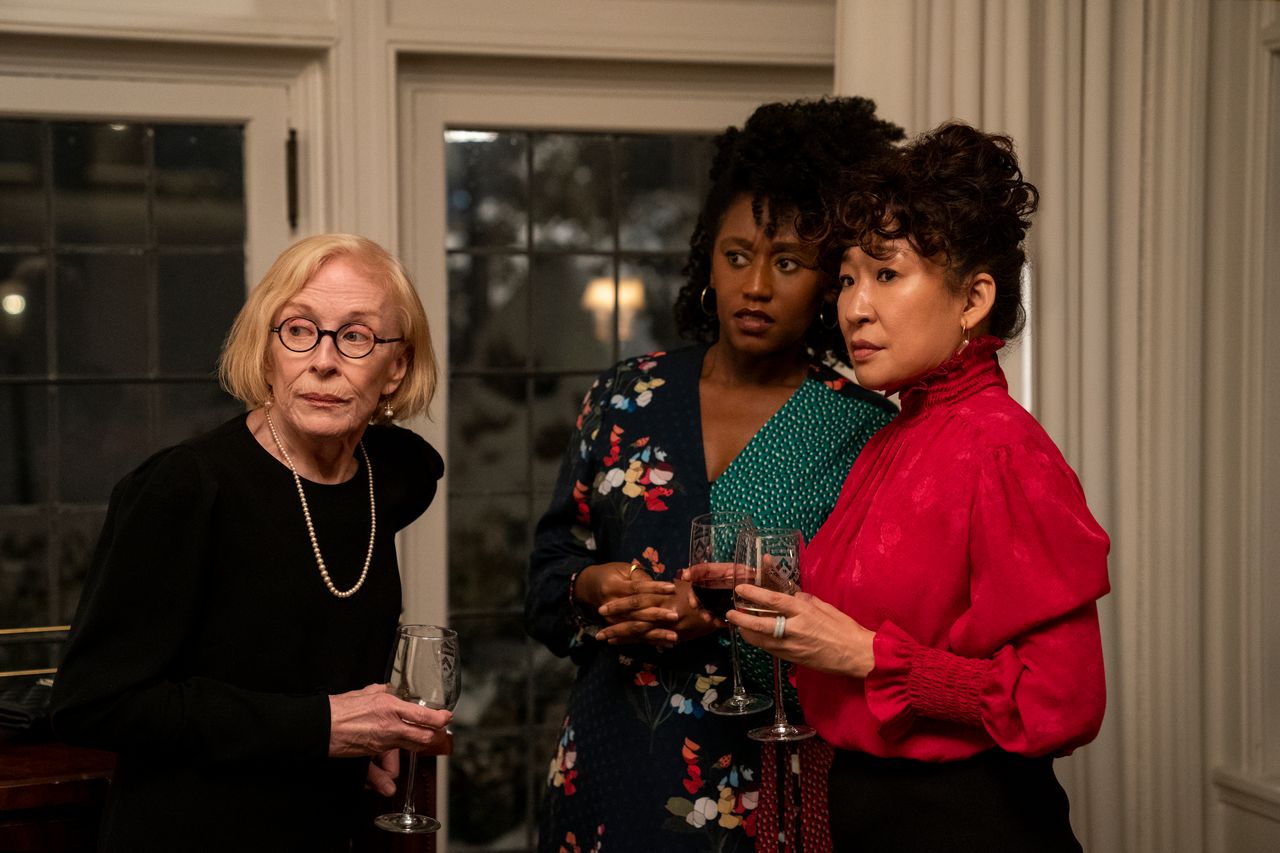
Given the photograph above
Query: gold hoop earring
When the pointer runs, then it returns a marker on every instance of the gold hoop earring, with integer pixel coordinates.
(822, 317)
(702, 300)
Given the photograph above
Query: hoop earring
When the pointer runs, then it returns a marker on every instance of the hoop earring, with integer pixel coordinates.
(702, 300)
(822, 317)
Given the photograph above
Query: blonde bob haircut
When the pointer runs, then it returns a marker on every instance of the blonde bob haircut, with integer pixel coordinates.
(243, 366)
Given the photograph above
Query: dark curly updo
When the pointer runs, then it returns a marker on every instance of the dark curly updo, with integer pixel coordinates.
(957, 196)
(783, 157)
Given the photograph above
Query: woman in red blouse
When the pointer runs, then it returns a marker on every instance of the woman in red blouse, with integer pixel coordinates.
(948, 633)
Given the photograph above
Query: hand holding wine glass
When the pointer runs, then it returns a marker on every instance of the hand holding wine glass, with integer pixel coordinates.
(425, 671)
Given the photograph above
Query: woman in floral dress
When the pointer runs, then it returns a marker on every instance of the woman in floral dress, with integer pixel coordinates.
(749, 419)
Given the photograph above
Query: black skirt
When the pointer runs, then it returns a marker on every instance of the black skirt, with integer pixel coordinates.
(994, 802)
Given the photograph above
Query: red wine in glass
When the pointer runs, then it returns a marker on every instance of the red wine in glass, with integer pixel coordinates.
(715, 593)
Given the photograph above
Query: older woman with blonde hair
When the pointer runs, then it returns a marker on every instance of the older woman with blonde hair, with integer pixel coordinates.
(244, 595)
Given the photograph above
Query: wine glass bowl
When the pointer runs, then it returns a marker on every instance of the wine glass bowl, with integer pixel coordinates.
(425, 670)
(713, 571)
(770, 559)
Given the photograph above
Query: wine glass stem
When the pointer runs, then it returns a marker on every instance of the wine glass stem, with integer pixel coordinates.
(738, 688)
(408, 782)
(779, 715)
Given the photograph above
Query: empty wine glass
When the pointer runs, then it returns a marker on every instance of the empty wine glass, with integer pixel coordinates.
(425, 670)
(771, 560)
(713, 544)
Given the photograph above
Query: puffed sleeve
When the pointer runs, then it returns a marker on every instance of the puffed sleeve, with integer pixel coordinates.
(415, 469)
(564, 542)
(120, 685)
(1025, 660)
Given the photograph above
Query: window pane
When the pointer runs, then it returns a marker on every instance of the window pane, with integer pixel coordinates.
(488, 544)
(557, 401)
(488, 427)
(572, 192)
(572, 326)
(24, 285)
(24, 451)
(488, 188)
(103, 437)
(78, 534)
(551, 677)
(488, 310)
(654, 322)
(100, 182)
(661, 183)
(188, 410)
(199, 184)
(199, 296)
(22, 215)
(487, 791)
(102, 314)
(24, 570)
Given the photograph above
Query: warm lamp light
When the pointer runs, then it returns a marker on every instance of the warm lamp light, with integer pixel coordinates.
(598, 299)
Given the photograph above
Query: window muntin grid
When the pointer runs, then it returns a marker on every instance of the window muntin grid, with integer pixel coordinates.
(545, 231)
(121, 267)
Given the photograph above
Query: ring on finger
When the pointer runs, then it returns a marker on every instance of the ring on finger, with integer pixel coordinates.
(779, 627)
(635, 564)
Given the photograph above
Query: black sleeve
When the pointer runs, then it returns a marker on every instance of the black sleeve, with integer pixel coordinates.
(121, 685)
(411, 468)
(564, 542)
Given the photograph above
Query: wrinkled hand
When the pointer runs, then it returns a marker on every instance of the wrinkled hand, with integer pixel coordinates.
(817, 635)
(383, 770)
(678, 617)
(371, 721)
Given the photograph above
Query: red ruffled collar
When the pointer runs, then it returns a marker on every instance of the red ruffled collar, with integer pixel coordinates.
(972, 368)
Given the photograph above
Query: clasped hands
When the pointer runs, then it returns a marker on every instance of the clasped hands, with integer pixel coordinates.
(638, 609)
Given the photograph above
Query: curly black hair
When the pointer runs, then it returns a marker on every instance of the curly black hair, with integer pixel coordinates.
(783, 157)
(957, 196)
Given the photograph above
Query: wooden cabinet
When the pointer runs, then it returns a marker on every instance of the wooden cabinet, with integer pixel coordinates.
(51, 796)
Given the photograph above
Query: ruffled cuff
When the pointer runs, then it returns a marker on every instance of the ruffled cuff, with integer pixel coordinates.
(910, 680)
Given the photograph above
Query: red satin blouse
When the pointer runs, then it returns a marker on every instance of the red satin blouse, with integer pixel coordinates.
(962, 539)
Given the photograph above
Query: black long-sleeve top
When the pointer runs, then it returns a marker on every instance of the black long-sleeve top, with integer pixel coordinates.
(206, 644)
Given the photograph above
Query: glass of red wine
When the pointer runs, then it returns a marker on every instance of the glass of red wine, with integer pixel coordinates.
(713, 571)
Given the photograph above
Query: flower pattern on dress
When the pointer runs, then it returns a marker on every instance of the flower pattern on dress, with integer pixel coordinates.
(563, 772)
(635, 469)
(663, 694)
(714, 810)
(571, 845)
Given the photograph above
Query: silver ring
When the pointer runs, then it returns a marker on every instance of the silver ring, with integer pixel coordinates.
(779, 627)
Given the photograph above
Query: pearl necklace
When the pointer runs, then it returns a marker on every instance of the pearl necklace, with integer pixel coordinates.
(311, 530)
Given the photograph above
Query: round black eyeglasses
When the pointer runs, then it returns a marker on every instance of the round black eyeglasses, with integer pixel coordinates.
(354, 340)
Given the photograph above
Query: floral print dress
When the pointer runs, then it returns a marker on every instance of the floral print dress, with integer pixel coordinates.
(642, 764)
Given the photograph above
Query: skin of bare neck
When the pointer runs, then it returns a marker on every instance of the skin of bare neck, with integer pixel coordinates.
(724, 366)
(320, 460)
